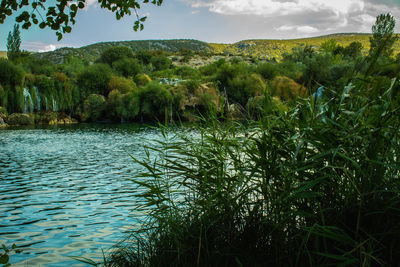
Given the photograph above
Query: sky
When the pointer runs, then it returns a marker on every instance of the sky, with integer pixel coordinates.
(216, 21)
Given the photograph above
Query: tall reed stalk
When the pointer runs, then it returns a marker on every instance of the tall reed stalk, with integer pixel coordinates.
(315, 186)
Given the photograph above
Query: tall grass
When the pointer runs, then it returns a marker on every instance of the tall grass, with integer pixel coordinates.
(315, 186)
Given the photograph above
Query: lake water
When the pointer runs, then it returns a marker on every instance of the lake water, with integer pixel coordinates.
(65, 190)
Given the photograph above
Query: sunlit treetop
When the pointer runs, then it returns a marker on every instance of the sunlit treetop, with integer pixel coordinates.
(59, 15)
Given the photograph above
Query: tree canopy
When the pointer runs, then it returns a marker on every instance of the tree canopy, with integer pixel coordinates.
(60, 15)
(383, 35)
(14, 43)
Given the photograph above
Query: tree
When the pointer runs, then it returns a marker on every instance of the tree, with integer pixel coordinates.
(113, 54)
(382, 35)
(353, 50)
(59, 15)
(14, 43)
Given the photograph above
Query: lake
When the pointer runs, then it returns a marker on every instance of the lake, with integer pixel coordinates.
(65, 190)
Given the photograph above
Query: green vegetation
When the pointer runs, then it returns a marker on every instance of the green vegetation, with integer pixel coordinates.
(129, 82)
(315, 184)
(14, 43)
(309, 177)
(59, 17)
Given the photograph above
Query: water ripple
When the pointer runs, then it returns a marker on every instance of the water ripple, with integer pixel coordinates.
(64, 191)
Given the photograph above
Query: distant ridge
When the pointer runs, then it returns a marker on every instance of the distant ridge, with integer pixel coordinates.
(259, 48)
(93, 51)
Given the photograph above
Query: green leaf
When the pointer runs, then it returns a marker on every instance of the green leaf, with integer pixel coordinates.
(84, 260)
(4, 259)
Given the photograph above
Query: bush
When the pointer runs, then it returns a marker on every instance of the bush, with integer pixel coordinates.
(121, 84)
(94, 80)
(123, 106)
(10, 74)
(114, 54)
(127, 67)
(161, 62)
(267, 70)
(155, 101)
(94, 106)
(286, 89)
(20, 119)
(142, 79)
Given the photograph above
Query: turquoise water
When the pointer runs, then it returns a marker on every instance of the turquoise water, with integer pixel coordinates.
(65, 190)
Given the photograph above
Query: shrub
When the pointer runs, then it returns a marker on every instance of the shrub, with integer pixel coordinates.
(142, 79)
(121, 84)
(94, 106)
(10, 74)
(267, 70)
(241, 88)
(286, 89)
(155, 101)
(127, 67)
(161, 62)
(114, 54)
(20, 119)
(94, 80)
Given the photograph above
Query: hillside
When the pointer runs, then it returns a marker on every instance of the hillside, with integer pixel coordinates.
(268, 49)
(92, 52)
(262, 49)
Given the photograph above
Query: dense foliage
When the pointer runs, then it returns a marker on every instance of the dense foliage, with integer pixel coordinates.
(59, 15)
(159, 85)
(316, 184)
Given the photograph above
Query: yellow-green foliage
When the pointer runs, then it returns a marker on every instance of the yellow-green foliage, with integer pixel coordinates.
(269, 49)
(286, 89)
(3, 54)
(142, 79)
(121, 84)
(61, 77)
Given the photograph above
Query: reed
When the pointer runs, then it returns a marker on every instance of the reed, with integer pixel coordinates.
(315, 186)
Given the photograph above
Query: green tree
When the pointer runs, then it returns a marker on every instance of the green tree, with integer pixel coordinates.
(382, 35)
(14, 43)
(353, 50)
(59, 15)
(94, 80)
(128, 67)
(114, 54)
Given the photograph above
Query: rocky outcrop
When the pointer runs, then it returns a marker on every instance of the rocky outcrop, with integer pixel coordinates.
(20, 119)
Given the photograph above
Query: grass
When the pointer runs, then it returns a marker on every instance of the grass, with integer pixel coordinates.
(315, 186)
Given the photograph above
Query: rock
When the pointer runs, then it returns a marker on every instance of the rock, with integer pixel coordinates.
(3, 117)
(20, 119)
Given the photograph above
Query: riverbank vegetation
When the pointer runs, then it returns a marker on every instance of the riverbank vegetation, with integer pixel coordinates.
(313, 184)
(122, 85)
(309, 177)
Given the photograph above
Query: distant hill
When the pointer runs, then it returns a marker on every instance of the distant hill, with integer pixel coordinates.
(3, 54)
(92, 52)
(263, 49)
(268, 49)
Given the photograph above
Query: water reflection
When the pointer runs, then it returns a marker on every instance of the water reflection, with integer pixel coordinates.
(64, 190)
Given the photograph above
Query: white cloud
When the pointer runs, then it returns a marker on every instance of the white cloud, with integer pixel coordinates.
(48, 48)
(299, 29)
(275, 7)
(40, 46)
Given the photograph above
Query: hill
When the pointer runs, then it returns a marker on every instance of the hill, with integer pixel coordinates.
(262, 49)
(268, 49)
(92, 52)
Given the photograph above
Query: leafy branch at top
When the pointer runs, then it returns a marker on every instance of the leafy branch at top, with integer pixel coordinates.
(61, 14)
